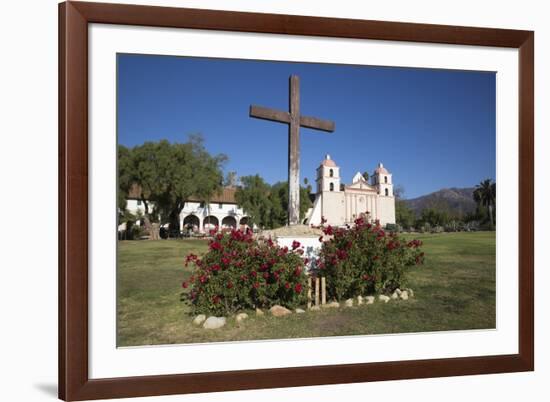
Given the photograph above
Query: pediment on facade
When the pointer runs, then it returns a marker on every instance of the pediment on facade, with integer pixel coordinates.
(361, 185)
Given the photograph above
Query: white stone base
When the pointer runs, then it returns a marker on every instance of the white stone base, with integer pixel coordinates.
(311, 246)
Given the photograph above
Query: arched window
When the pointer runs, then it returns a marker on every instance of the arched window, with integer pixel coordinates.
(331, 186)
(387, 192)
(385, 179)
(331, 173)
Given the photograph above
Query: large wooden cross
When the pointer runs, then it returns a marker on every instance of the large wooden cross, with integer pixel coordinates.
(294, 121)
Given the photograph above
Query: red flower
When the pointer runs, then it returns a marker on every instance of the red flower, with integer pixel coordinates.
(298, 288)
(215, 246)
(295, 244)
(236, 235)
(297, 271)
(414, 243)
(216, 299)
(189, 258)
(287, 285)
(226, 261)
(342, 255)
(229, 285)
(256, 285)
(184, 285)
(254, 273)
(215, 267)
(266, 275)
(203, 278)
(328, 230)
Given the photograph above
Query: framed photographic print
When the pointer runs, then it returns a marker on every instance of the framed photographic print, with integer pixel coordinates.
(258, 200)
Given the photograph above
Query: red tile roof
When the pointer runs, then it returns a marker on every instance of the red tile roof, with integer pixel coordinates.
(226, 196)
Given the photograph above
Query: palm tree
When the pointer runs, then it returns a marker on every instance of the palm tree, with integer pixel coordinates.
(485, 194)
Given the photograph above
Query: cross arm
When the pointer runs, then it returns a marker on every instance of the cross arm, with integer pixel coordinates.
(265, 113)
(317, 124)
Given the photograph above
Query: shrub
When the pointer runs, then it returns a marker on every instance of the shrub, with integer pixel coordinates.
(137, 232)
(240, 272)
(472, 226)
(425, 227)
(364, 259)
(394, 227)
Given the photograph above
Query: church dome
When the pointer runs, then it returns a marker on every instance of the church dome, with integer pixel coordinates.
(381, 169)
(328, 162)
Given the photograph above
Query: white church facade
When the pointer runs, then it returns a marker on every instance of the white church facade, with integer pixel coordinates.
(342, 204)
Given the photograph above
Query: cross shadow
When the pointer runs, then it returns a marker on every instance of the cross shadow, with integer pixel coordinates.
(48, 389)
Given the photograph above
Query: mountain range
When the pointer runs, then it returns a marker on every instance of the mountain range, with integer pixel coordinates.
(457, 201)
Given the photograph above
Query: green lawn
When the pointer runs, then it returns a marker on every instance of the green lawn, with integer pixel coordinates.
(454, 290)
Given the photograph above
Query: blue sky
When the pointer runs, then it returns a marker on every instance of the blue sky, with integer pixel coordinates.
(431, 128)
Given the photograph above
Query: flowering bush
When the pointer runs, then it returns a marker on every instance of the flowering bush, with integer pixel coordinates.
(240, 272)
(364, 259)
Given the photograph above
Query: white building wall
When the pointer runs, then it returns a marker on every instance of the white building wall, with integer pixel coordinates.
(386, 212)
(334, 207)
(133, 206)
(217, 210)
(315, 215)
(220, 211)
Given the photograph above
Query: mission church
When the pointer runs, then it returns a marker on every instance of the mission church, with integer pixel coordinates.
(340, 204)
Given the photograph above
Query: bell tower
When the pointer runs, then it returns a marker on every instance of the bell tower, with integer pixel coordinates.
(329, 195)
(382, 181)
(328, 176)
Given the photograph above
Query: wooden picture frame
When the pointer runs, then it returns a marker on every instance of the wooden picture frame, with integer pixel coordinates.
(74, 381)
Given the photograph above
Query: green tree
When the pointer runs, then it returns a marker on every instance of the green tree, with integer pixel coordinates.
(434, 217)
(280, 189)
(124, 180)
(404, 215)
(278, 214)
(398, 191)
(267, 205)
(253, 197)
(231, 179)
(307, 185)
(366, 176)
(485, 195)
